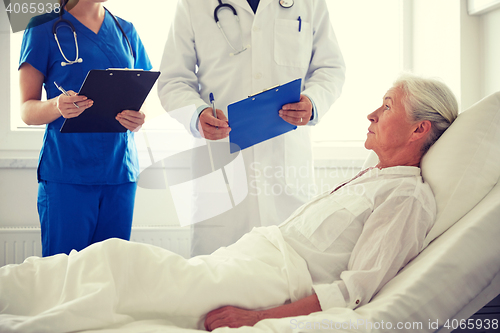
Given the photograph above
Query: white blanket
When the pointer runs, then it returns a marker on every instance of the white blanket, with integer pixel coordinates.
(115, 284)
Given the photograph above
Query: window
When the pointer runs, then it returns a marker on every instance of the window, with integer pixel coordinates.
(368, 33)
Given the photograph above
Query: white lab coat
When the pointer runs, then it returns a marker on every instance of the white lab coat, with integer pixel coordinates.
(197, 61)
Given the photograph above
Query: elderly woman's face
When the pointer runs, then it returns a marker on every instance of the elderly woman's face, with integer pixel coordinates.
(390, 130)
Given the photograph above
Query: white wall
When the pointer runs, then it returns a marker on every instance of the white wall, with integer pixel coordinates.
(18, 196)
(490, 43)
(471, 52)
(461, 49)
(436, 44)
(18, 191)
(446, 44)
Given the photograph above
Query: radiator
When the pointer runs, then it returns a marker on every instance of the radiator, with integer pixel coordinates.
(17, 244)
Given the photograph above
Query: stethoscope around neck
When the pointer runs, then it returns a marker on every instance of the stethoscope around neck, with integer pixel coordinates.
(72, 27)
(283, 3)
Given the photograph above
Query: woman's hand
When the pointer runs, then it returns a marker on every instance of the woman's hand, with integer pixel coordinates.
(131, 120)
(67, 105)
(34, 111)
(230, 316)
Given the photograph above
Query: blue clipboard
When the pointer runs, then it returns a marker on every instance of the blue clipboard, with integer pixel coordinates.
(112, 90)
(256, 118)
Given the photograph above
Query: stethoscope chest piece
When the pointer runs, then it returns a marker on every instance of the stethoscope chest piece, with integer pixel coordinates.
(286, 3)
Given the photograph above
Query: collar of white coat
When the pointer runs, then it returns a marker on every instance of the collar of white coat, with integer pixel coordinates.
(244, 4)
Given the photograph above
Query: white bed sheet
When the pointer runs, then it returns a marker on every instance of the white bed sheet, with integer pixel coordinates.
(119, 286)
(436, 286)
(116, 282)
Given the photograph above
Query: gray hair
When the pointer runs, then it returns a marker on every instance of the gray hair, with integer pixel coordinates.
(428, 99)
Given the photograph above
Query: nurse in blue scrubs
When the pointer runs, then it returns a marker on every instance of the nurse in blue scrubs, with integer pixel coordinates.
(87, 181)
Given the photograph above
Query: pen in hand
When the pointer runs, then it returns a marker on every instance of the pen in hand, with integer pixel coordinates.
(212, 101)
(65, 93)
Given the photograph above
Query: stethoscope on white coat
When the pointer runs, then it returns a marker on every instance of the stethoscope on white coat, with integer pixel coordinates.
(77, 58)
(283, 3)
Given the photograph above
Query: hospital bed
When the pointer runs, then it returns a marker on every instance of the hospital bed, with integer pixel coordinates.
(459, 271)
(454, 276)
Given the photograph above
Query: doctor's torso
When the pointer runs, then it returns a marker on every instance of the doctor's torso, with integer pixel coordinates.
(276, 52)
(198, 61)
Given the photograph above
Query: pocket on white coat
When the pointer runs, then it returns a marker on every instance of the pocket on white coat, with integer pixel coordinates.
(291, 46)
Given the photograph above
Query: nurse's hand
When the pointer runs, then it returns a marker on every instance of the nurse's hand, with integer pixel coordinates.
(131, 120)
(299, 113)
(66, 104)
(212, 128)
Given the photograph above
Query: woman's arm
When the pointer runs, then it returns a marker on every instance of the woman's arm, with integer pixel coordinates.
(233, 317)
(37, 112)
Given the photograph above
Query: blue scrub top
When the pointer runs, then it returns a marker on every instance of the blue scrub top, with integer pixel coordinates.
(83, 158)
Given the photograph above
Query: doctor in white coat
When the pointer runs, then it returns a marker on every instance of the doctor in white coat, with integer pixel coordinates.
(259, 44)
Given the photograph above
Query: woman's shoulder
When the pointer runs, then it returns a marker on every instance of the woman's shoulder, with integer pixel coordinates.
(126, 25)
(38, 30)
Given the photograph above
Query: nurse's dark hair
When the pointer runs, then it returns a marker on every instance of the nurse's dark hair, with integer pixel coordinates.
(428, 99)
(63, 2)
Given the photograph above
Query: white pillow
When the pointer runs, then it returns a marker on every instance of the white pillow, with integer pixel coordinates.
(464, 164)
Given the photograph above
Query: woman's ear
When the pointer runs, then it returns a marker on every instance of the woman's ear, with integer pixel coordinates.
(421, 130)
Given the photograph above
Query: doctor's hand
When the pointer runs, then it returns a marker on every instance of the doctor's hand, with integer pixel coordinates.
(66, 104)
(230, 316)
(212, 128)
(299, 113)
(131, 120)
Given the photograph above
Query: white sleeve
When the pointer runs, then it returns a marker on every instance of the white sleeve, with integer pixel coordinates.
(326, 73)
(391, 237)
(178, 83)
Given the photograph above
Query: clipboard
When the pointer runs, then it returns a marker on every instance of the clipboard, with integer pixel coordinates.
(112, 90)
(256, 118)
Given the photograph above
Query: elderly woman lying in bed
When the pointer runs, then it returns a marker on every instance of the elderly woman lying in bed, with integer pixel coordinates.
(337, 250)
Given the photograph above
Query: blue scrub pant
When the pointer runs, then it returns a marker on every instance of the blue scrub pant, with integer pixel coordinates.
(73, 216)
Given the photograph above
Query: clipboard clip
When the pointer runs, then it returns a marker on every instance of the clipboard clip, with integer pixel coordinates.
(124, 69)
(272, 88)
(112, 70)
(263, 91)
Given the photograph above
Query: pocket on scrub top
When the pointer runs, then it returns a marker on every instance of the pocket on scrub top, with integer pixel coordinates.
(327, 224)
(291, 46)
